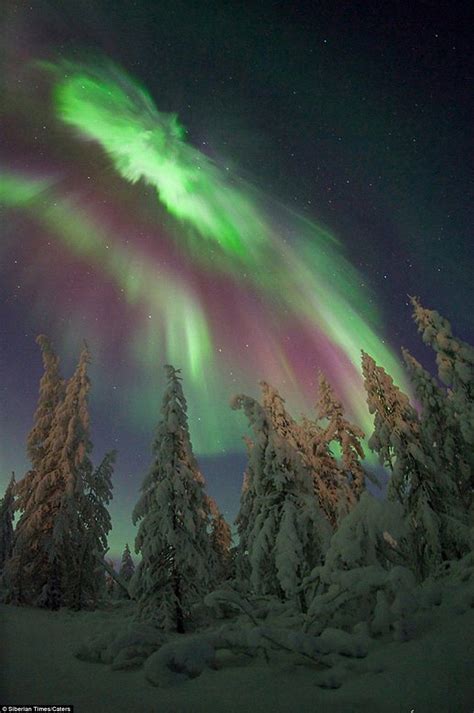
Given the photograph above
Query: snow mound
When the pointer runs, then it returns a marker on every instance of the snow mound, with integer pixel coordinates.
(125, 648)
(341, 642)
(333, 678)
(177, 661)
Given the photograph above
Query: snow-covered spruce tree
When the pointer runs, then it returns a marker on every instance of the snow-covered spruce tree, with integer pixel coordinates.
(110, 585)
(172, 512)
(7, 508)
(340, 430)
(44, 568)
(455, 361)
(392, 410)
(244, 518)
(281, 421)
(127, 567)
(307, 439)
(51, 392)
(288, 533)
(441, 433)
(363, 578)
(435, 534)
(96, 524)
(221, 541)
(330, 485)
(67, 469)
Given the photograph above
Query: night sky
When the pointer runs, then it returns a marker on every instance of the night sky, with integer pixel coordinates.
(246, 190)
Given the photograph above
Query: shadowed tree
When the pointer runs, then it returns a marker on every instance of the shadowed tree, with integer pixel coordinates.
(455, 362)
(96, 524)
(343, 432)
(312, 442)
(127, 567)
(173, 516)
(7, 509)
(221, 541)
(287, 533)
(45, 565)
(426, 494)
(51, 393)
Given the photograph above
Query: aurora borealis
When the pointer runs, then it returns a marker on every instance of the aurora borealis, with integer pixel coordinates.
(130, 221)
(229, 243)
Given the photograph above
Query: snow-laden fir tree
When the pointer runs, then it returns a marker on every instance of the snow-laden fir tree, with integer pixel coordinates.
(306, 438)
(343, 432)
(221, 541)
(455, 361)
(441, 433)
(67, 468)
(111, 586)
(392, 410)
(282, 422)
(331, 484)
(51, 393)
(245, 517)
(176, 565)
(355, 583)
(7, 511)
(96, 524)
(288, 533)
(436, 533)
(127, 566)
(71, 473)
(45, 567)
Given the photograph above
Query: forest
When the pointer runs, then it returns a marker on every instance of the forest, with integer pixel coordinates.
(322, 571)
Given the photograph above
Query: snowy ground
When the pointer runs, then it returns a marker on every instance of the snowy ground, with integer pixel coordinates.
(432, 674)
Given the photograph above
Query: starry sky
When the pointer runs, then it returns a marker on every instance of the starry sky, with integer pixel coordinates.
(246, 190)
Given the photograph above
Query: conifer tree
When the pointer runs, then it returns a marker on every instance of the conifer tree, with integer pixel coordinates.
(288, 535)
(244, 518)
(393, 414)
(331, 485)
(7, 508)
(455, 361)
(221, 541)
(304, 438)
(415, 481)
(440, 431)
(173, 518)
(127, 567)
(67, 468)
(110, 584)
(281, 421)
(51, 393)
(348, 435)
(96, 524)
(45, 567)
